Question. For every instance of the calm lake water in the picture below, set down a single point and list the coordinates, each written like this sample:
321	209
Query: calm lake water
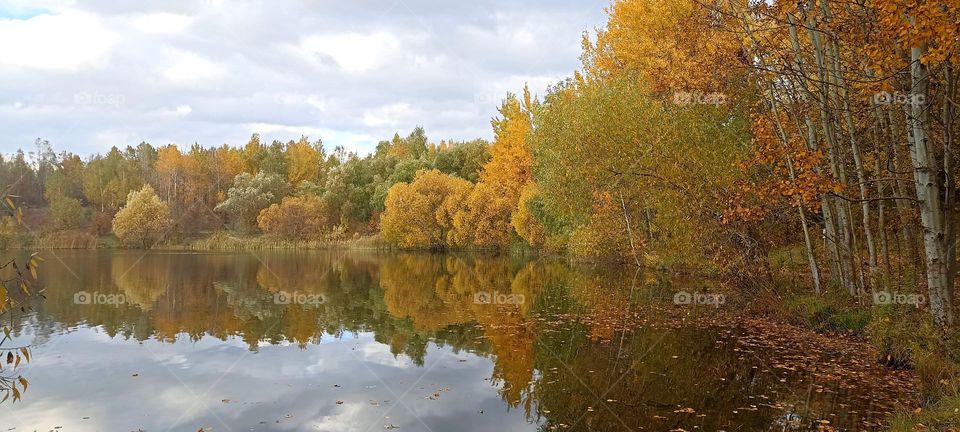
350	341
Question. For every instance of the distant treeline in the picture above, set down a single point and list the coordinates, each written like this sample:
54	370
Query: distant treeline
208	189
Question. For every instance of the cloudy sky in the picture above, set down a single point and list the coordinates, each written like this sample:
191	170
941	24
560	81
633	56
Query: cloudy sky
90	74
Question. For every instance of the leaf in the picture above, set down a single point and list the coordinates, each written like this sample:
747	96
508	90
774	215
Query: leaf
9	357
24	383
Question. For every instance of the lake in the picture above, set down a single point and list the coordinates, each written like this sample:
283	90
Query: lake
363	341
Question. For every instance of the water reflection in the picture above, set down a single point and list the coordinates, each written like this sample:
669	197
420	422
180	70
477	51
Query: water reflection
416	341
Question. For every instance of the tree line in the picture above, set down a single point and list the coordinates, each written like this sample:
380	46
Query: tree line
204	189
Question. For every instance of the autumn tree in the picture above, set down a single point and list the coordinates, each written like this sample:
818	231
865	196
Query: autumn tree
664	168
483	219
674	46
295	218
144	220
415	215
305	161
511	163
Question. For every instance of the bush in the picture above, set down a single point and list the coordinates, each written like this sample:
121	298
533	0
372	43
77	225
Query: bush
525	222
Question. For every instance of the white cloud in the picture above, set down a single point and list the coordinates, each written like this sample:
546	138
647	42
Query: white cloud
160	22
188	68
63	42
353	52
351	73
393	115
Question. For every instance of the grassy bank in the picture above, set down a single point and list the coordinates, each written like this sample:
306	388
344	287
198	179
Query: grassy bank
227	242
904	338
214	241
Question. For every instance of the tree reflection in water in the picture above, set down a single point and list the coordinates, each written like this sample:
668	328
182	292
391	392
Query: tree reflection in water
555	345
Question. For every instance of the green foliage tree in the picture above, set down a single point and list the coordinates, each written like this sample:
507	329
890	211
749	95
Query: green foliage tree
678	163
349	189
463	159
67	213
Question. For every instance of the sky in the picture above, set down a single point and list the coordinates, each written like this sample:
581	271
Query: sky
91	74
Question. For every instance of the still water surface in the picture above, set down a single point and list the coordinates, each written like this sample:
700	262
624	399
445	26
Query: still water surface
351	341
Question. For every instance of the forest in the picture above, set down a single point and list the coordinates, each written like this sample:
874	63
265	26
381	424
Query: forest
804	152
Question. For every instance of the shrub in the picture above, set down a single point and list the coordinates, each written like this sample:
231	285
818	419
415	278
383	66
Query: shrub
525	222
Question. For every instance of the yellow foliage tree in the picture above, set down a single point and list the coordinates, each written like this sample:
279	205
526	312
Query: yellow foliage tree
303	161
170	171
229	163
303	217
415	214
511	163
484	219
143	220
674	45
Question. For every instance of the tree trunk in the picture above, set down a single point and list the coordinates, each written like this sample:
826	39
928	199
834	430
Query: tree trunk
933	215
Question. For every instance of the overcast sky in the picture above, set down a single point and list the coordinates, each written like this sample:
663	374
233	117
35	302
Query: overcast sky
88	75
